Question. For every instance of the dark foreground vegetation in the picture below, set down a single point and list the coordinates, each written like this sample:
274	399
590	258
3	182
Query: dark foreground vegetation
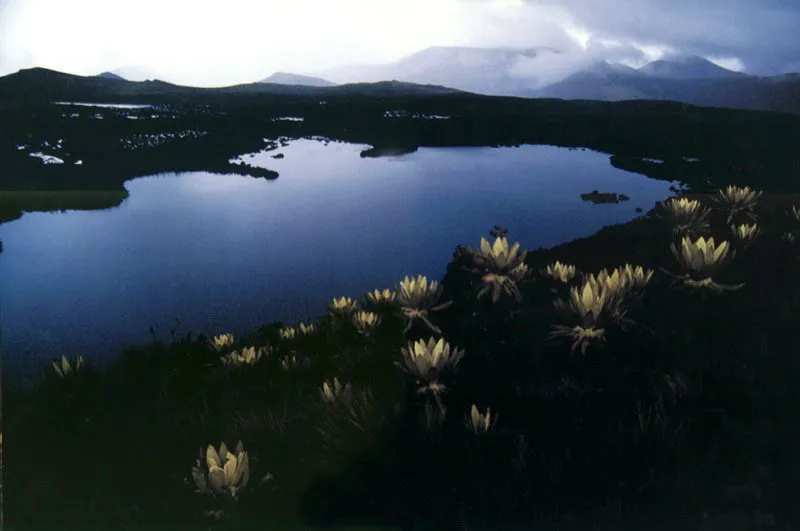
664	397
204	131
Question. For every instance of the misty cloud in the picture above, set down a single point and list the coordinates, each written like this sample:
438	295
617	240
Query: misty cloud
761	36
547	68
212	43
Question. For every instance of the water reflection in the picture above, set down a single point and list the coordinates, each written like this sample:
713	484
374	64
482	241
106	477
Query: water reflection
105	105
228	253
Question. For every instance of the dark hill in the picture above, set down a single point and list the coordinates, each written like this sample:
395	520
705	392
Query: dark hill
38	84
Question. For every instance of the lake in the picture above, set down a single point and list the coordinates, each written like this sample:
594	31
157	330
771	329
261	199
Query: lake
226	253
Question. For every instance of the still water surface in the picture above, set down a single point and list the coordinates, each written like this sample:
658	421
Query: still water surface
225	253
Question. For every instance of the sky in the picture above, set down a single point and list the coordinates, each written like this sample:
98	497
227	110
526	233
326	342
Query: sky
218	43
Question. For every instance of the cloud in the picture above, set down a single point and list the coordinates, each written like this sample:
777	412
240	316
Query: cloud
731	63
209	42
761	35
586	49
547	68
756	37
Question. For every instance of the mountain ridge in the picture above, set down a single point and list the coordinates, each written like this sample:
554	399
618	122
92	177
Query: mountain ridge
287	78
689	67
41	83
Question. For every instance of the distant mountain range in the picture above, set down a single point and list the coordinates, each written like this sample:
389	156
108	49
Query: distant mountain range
478	70
677	81
508	70
136	73
284	78
689	67
43	84
530	73
518	72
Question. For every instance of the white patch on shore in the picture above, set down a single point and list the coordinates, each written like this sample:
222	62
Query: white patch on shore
47	159
106	105
432	116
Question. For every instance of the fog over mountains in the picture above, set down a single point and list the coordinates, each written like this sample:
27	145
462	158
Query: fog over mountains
515	72
479	70
136	73
284	78
550	73
532	73
689	67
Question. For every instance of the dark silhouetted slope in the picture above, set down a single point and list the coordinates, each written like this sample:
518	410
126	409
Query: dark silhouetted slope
36	84
110	75
691	67
285	78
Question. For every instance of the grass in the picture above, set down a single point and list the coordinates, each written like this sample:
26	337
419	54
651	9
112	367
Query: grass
682	417
14	202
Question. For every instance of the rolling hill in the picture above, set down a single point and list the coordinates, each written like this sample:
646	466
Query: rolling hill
110	75
285	78
37	84
447	70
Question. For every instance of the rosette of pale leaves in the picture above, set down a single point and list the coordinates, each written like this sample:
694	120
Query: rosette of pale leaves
335	391
637	276
620	281
64	368
480	423
416	298
383	298
427	361
593	305
500	267
616	282
685	215
498	257
301	330
223	471
701	259
222	342
737	200
288	333
342	307
500	284
306	329
562	272
248	356
746	232
366	322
